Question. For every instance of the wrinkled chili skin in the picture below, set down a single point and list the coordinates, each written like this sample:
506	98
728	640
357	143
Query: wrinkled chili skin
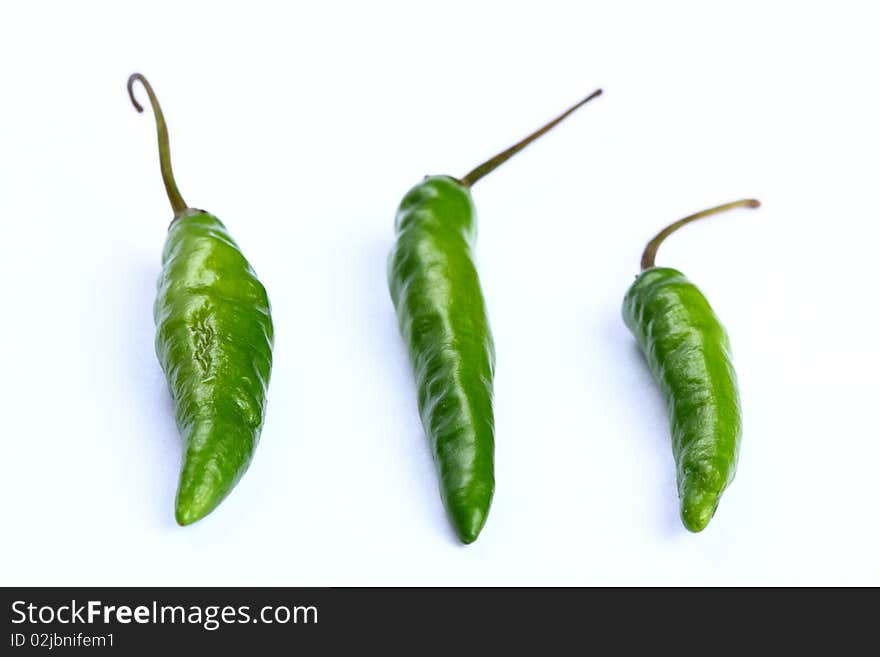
688	352
214	341
442	315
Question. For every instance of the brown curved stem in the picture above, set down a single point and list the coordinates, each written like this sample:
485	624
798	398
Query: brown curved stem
493	163
177	202
651	250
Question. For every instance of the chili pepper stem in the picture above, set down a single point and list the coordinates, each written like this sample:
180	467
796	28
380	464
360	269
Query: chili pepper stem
651	250
177	202
487	167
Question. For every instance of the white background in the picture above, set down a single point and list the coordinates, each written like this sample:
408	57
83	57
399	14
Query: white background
301	128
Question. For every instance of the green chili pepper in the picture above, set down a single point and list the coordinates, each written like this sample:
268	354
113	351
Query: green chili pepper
442	315
688	352
214	342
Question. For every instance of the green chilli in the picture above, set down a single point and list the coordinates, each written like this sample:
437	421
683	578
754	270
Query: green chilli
442	315
214	339
688	352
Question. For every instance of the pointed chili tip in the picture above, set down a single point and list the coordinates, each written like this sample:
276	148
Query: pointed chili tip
188	513
698	507
131	81
468	522
696	522
195	500
469	534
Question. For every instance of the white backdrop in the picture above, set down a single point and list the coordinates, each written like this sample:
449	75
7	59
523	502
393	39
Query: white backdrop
301	128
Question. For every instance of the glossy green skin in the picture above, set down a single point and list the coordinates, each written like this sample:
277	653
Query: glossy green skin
688	352
436	292
214	341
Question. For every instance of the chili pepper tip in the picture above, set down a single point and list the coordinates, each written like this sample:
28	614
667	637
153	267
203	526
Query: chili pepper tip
697	509
468	523
193	510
